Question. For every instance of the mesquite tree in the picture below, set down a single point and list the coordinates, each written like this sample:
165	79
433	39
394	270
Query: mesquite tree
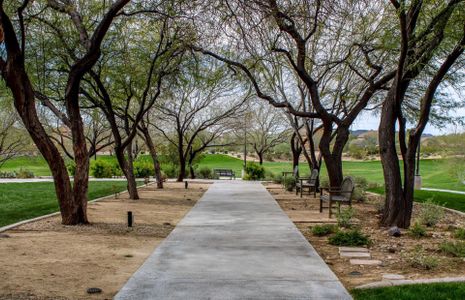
203	97
72	198
432	40
125	96
334	56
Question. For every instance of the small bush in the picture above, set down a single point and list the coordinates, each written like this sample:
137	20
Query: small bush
24	174
289	183
278	179
417	230
430	213
254	172
421	260
170	170
453	248
459	233
322	230
269	176
143	169
205	173
7	175
102	169
349	238
344	218
324	183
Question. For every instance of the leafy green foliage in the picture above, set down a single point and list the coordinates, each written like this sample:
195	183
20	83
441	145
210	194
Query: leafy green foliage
459	233
101	169
344	217
453	248
417	230
289	183
350	238
322	230
254	171
430	213
24	174
205	173
143	169
419	259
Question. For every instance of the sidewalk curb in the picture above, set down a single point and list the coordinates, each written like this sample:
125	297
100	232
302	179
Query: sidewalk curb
387	283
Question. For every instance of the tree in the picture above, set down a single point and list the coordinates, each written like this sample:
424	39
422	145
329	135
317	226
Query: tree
432	40
197	105
267	129
72	198
333	55
125	97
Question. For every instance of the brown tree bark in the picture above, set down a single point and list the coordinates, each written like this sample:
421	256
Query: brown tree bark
153	153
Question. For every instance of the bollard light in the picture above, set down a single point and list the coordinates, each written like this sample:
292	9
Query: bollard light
130	219
186	184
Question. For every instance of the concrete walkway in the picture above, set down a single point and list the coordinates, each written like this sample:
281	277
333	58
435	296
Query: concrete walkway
236	243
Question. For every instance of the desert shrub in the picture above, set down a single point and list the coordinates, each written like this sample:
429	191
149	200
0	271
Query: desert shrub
430	213
322	230
24	174
361	185
71	167
289	183
350	238
254	172
143	169
116	170
459	233
205	173
170	170
163	175
344	217
417	230
373	185
278	179
101	169
7	175
269	176
453	248
419	259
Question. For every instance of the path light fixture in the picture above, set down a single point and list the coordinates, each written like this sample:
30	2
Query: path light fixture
186	184
417	182
130	219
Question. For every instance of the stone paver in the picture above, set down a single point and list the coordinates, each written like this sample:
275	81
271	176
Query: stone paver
355	254
393	277
236	243
368	262
352	249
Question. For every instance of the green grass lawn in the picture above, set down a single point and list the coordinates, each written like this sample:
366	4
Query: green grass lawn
434	291
22	201
454	201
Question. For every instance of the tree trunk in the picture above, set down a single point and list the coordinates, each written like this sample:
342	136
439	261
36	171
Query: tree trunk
260	157
182	169
72	208
153	154
128	171
333	160
397	210
296	151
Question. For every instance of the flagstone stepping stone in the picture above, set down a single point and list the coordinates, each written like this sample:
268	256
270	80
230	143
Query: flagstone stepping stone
356	254
370	262
352	249
393	277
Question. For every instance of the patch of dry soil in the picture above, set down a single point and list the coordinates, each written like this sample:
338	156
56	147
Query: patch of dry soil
47	260
392	251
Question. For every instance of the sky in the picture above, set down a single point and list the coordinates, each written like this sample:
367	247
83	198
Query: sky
370	121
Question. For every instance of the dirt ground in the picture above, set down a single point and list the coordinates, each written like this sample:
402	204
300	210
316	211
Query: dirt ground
47	260
392	251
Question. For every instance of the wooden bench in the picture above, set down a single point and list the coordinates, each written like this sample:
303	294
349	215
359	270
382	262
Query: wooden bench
339	195
225	173
307	182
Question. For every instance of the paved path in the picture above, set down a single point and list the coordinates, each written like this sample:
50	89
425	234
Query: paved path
444	191
236	243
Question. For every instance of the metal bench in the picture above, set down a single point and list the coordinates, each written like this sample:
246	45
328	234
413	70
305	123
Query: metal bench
225	173
339	195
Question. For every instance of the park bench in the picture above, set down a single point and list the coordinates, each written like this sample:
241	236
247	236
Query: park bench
307	182
339	195
225	173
